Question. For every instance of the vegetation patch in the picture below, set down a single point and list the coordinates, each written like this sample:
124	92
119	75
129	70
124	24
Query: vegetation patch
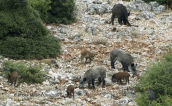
62	11
23	35
158	78
29	74
42	6
100	40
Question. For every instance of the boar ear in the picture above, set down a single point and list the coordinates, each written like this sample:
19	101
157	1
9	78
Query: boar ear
84	79
136	64
80	77
132	64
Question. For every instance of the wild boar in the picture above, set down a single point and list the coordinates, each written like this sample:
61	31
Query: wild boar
87	55
13	77
151	94
120	11
70	91
121	75
91	74
125	58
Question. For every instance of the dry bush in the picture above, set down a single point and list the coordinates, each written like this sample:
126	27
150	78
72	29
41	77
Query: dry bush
100	40
47	88
136	33
169	27
3	97
70	102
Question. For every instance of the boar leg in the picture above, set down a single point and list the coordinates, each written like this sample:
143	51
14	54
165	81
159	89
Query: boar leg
119	19
93	83
112	63
124	21
15	82
73	94
12	80
89	85
67	94
99	81
11	83
128	79
124	67
81	58
112	19
9	79
86	60
90	59
103	82
70	95
120	81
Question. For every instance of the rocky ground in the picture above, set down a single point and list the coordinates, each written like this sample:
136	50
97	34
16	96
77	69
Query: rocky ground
148	38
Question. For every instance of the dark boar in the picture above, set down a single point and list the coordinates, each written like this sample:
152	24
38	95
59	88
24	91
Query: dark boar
121	13
121	75
151	94
87	55
13	77
125	58
91	74
70	91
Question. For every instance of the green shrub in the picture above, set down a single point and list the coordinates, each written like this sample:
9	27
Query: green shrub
166	2
158	77
21	21
168	57
22	48
22	33
31	74
147	1
142	100
61	11
163	2
42	6
166	100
